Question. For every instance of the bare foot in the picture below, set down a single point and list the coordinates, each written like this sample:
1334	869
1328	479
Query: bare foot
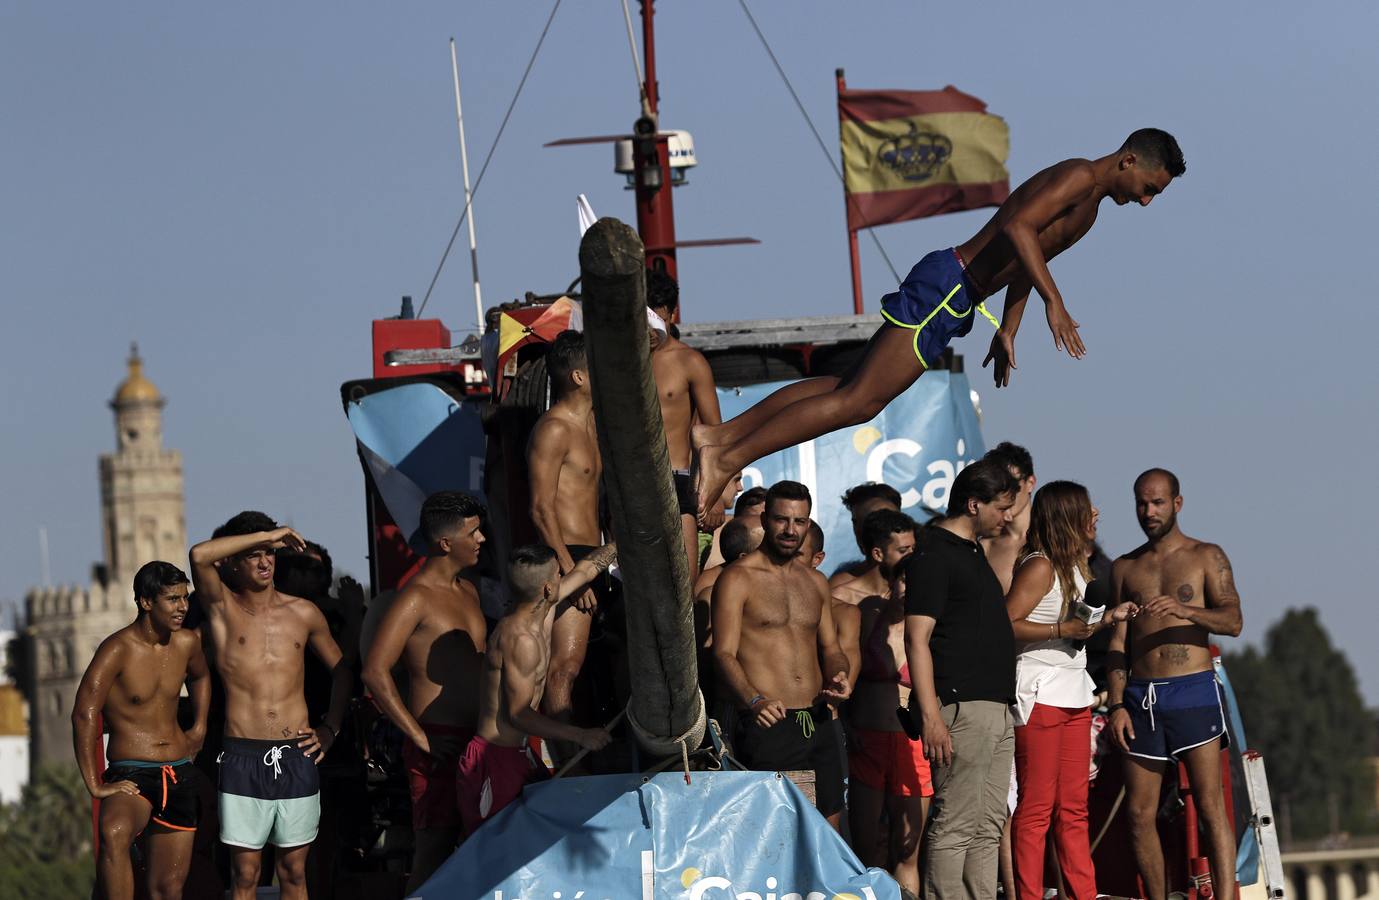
712	476
703	435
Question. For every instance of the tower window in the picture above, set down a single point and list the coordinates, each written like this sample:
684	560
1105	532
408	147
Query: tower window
131	434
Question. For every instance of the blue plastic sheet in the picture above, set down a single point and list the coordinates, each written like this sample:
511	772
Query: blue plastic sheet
738	835
416	439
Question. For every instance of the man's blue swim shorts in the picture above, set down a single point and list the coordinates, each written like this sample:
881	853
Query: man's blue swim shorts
1173	715
935	301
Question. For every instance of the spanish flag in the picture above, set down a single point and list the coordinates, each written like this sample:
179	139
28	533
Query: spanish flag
910	154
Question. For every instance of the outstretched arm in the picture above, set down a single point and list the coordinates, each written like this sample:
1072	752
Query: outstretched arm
586	570
1003	342
1073	185
210	589
86	713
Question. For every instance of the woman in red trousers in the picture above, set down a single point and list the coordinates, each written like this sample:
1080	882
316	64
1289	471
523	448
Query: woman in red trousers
1053	691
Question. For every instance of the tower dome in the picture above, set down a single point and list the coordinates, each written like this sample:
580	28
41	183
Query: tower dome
136	388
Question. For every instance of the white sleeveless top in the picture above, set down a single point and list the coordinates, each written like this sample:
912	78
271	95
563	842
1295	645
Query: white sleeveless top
1052	672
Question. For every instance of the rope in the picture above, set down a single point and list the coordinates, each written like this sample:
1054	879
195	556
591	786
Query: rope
654	741
817	138
487	159
1110	817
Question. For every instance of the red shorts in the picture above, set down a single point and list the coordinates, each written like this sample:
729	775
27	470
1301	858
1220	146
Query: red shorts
490	777
432	788
890	762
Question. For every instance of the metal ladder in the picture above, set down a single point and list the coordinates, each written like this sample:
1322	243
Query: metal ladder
1262	819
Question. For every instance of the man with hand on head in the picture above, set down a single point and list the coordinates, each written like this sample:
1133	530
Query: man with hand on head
435	627
269	786
133	684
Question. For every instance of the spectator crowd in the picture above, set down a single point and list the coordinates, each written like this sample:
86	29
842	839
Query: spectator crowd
935	690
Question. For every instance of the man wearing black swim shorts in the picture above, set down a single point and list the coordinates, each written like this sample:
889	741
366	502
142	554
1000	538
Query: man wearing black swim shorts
1164	701
772	628
133	684
564	468
685	387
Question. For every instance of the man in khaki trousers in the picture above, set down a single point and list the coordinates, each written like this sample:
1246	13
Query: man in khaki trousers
961	653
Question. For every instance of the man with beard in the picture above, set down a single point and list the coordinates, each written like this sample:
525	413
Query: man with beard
1164	702
857	580
435	626
888	770
961	652
269	786
133	683
772	625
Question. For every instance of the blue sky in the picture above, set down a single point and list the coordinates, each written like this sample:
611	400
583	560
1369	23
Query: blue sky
243	188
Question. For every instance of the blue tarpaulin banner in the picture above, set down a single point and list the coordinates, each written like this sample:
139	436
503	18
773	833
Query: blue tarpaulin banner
417	439
917	445
725	836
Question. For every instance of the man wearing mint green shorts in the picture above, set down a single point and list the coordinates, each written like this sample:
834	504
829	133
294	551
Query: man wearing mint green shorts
270	793
269	789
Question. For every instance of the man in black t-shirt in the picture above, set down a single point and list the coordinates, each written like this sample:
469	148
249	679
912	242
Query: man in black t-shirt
961	654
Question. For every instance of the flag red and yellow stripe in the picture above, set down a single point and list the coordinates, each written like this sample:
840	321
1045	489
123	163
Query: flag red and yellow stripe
910	154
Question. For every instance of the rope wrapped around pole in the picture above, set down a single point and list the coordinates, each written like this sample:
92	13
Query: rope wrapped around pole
666	705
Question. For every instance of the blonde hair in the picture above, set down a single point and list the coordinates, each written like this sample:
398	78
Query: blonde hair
1059	520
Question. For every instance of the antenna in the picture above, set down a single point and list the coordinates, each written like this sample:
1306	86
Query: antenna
468	199
43	556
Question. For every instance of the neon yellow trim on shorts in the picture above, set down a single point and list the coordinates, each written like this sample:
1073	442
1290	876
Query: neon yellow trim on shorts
981	308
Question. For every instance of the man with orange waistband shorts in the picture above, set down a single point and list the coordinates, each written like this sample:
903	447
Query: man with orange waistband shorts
497	763
133	684
939	300
436	628
887	767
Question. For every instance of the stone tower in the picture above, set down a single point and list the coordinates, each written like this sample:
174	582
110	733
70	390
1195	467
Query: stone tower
141	483
142	519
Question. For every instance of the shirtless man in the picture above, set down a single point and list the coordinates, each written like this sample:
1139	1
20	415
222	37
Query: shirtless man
434	625
773	627
565	467
1004	549
684	382
269	787
133	684
748	505
888	770
939	299
496	764
1164	702
739	536
854	582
